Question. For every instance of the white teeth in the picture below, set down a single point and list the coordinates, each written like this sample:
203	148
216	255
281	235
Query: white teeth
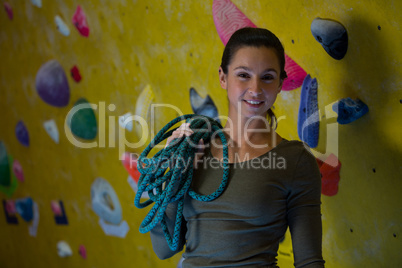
254	102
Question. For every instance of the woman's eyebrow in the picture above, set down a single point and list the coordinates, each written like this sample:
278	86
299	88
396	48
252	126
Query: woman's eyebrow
242	67
248	69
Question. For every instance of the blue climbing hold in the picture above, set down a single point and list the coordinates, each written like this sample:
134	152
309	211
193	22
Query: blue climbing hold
349	110
24	207
332	36
308	122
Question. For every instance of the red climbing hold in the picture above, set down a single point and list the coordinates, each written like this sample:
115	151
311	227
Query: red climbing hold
329	169
75	73
80	22
130	163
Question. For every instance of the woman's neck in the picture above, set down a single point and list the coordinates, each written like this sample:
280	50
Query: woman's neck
249	132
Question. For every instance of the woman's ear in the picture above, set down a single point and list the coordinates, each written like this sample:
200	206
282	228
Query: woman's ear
222	78
280	86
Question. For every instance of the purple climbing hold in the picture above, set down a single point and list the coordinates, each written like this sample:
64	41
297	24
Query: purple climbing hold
21	132
332	36
349	110
308	123
52	84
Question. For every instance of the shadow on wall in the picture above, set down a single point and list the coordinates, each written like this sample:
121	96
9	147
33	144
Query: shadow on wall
368	198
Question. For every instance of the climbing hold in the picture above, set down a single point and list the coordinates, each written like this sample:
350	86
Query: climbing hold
82	120
80	22
37	3
64	249
24	207
60	216
228	19
332	36
130	163
119	230
349	110
105	202
9	10
52	85
329	169
82	251
51	129
56	208
126	121
61	26
142	108
308	123
203	106
10	218
10	207
33	228
5	176
75	73
21	132
18	172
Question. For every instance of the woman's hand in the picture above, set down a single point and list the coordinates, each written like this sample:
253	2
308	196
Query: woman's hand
185	129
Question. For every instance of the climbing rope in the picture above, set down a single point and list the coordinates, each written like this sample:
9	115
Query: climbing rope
171	186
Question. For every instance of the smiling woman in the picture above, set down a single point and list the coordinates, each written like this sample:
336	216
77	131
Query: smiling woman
275	185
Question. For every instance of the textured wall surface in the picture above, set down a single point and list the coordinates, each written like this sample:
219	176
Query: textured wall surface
168	47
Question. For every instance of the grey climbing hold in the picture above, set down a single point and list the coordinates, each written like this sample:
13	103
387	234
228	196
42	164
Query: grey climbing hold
203	106
332	36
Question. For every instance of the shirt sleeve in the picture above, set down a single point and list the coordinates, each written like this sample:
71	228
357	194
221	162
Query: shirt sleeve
159	243
304	213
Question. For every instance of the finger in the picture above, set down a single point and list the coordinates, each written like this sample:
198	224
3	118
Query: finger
201	146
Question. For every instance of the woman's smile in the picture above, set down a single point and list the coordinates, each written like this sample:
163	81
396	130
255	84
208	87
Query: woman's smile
252	81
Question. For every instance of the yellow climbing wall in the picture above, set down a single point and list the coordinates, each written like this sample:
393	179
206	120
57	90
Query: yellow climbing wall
169	47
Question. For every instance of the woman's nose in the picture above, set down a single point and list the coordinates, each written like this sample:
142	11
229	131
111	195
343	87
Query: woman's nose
255	87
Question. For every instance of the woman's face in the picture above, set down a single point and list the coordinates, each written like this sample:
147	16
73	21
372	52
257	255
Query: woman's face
252	81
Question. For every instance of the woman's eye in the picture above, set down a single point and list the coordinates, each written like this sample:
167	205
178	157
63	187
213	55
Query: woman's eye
268	77
243	75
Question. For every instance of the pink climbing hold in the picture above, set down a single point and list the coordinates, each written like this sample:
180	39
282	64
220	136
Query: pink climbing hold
18	172
9	10
56	208
10	207
130	163
82	251
329	169
228	19
295	73
80	22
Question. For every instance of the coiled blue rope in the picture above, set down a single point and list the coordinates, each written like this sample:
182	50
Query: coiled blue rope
171	186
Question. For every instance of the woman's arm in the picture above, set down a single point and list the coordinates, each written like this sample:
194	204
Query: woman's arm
304	213
159	243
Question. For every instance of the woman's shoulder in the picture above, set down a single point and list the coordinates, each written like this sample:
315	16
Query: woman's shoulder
295	152
292	146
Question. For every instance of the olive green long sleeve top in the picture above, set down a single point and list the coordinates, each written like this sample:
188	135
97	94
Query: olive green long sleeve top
244	226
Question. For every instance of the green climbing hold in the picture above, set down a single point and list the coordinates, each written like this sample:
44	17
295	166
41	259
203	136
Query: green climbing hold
5	178
82	120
